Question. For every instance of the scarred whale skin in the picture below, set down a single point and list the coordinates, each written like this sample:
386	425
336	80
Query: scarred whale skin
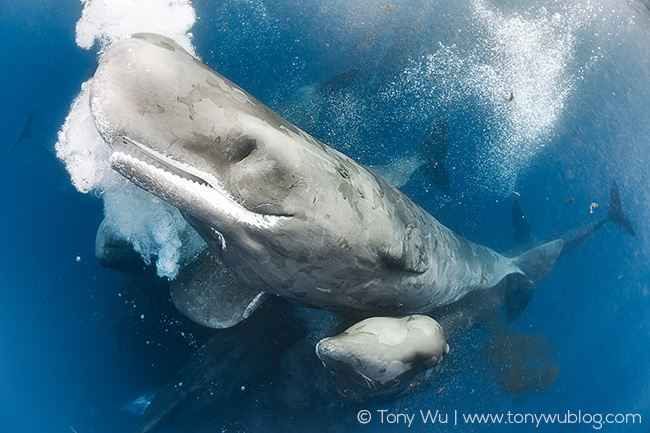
284	212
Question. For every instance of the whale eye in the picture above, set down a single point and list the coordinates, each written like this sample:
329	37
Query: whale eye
245	147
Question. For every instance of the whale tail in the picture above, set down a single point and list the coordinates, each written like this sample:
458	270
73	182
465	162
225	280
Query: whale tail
616	214
535	264
432	152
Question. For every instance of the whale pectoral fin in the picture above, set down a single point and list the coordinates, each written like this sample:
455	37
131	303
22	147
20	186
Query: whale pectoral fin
519	291
534	264
537	262
206	292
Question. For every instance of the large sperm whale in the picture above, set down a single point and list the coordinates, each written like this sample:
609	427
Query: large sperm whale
284	212
288	215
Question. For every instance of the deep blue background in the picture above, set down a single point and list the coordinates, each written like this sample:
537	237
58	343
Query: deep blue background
71	337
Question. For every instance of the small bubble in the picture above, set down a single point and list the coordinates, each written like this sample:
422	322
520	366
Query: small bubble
243	388
78	258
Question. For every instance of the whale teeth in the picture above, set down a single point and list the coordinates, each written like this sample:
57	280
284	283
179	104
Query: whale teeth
146	164
186	193
155	159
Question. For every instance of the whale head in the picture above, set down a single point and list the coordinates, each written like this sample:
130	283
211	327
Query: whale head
237	171
180	129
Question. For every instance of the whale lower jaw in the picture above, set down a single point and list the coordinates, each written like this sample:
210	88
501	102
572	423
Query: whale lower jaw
190	190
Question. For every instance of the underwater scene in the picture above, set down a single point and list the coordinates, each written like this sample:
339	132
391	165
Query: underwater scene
325	216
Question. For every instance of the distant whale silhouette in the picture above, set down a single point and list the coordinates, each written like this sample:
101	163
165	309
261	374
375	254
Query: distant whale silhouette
28	134
428	159
478	308
232	358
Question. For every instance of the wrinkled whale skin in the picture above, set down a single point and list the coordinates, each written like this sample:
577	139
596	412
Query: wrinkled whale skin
284	212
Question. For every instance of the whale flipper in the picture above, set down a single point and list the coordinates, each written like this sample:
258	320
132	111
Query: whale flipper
433	151
211	296
519	291
535	264
616	213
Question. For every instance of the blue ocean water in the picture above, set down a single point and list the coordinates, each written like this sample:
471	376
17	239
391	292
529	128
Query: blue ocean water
80	342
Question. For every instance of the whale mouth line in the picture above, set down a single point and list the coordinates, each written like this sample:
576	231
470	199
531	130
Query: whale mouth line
185	177
158	160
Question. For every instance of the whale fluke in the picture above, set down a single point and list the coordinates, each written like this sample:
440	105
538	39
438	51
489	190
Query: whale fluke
574	238
428	159
512	293
230	359
519	291
616	214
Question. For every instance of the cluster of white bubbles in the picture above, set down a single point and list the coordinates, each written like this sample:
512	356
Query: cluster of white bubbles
108	21
518	74
156	230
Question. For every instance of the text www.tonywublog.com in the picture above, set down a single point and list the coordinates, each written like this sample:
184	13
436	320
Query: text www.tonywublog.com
597	421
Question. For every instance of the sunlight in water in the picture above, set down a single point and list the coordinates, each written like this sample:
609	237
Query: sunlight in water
510	89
